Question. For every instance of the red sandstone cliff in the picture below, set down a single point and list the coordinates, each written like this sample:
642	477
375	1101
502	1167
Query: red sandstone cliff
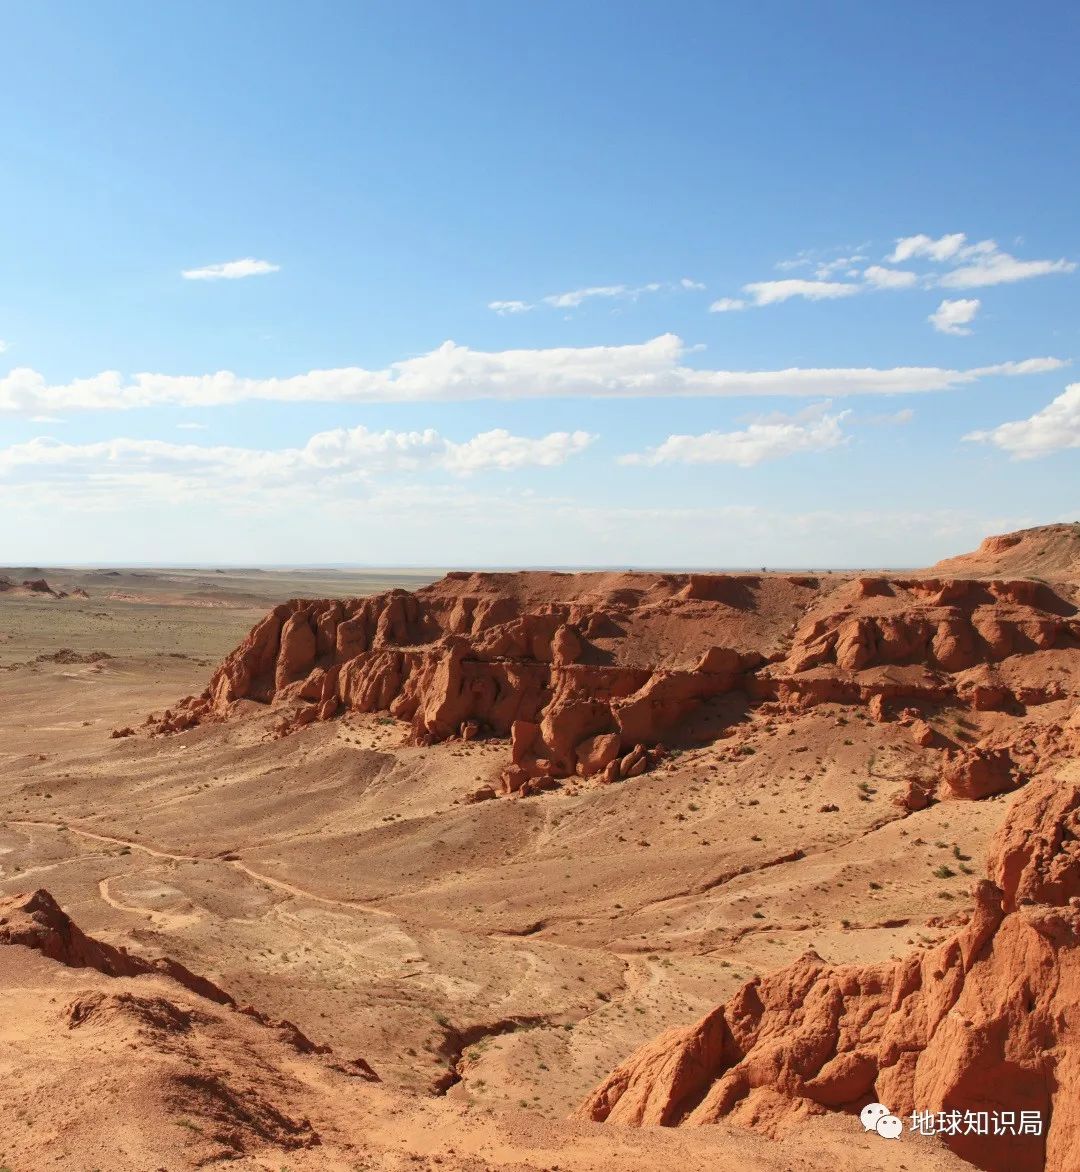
987	1021
587	673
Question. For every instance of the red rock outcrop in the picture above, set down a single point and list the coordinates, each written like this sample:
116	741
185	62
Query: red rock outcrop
29	586
985	1022
979	772
947	624
39	586
1047	551
586	673
37	921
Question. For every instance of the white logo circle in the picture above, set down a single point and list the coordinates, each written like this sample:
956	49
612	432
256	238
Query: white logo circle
871	1113
889	1127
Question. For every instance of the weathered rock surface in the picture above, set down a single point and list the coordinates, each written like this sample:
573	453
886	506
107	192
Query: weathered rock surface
927	639
1047	551
37	921
587	673
987	1021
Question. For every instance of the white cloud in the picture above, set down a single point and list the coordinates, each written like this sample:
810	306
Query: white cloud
453	373
499	449
3	346
1054	428
231	270
972	266
773	292
883	278
953	317
192	427
456	373
841	264
999	268
574	298
766	439
400	521
910	247
820	289
331	461
975	265
46	419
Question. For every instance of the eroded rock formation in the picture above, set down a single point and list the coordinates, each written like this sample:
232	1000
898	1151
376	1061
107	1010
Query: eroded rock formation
987	1021
587	674
929	639
37	921
584	673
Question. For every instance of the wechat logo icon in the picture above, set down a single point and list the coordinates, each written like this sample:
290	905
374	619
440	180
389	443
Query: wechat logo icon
877	1117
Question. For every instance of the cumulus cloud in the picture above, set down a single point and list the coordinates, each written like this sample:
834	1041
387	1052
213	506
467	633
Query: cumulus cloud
970	266
976	265
573	298
910	247
883	278
814	430
231	270
773	292
330	460
820	288
453	373
1054	428
999	268
954	317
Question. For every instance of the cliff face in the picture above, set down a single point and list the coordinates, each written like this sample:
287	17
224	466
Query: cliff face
588	673
987	1021
585	673
1046	551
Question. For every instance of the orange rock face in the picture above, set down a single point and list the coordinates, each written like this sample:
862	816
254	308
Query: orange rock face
586	673
932	626
987	1021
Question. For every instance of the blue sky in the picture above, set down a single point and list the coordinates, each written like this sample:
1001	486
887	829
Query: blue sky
725	285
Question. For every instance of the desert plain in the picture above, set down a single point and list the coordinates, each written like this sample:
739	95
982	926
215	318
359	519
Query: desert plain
539	870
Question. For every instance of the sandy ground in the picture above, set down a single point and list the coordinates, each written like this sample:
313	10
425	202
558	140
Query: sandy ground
492	962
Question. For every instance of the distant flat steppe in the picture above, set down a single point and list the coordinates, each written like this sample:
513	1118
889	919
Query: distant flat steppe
202	613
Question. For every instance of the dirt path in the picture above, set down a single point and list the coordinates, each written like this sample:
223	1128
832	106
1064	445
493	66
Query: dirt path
278	884
301	893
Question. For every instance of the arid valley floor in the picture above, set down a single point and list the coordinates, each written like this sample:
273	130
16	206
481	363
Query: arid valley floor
434	832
